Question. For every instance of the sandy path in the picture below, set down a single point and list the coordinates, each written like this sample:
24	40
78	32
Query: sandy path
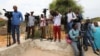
38	52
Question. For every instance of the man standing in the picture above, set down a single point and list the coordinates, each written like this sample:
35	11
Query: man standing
57	26
79	18
71	16
50	28
31	21
16	21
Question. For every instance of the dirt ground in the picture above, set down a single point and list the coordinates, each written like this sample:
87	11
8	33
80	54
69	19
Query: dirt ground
2	41
38	52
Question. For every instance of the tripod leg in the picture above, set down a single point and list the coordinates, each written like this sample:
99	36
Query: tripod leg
9	40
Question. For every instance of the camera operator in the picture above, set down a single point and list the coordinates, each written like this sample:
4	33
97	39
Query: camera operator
15	22
31	25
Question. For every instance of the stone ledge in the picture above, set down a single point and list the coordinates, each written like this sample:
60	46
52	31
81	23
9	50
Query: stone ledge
55	47
15	50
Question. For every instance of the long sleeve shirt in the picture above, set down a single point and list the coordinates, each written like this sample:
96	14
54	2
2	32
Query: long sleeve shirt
71	16
17	18
74	34
57	20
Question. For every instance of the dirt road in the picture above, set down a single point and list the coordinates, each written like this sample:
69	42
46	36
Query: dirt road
38	52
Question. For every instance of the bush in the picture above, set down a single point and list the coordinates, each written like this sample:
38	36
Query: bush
2	23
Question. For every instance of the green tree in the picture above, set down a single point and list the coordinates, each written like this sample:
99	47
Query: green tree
63	5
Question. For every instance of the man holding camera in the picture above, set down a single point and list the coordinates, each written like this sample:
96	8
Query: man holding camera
15	22
31	23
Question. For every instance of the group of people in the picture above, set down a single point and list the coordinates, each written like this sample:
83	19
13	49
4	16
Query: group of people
82	34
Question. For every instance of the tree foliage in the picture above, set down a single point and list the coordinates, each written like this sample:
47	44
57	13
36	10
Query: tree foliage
63	5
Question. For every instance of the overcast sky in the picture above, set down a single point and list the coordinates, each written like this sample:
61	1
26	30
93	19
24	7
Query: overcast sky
91	7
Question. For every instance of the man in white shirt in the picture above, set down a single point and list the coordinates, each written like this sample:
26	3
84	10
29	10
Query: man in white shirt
70	17
57	26
31	23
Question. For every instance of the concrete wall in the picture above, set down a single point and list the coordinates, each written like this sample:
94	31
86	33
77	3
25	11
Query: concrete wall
56	47
15	50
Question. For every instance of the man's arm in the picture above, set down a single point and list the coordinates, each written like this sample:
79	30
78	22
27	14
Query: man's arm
71	34
74	15
21	17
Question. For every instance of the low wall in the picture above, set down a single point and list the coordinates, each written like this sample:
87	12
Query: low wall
16	50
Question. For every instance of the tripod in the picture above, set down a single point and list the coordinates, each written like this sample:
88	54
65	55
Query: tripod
8	14
8	33
8	40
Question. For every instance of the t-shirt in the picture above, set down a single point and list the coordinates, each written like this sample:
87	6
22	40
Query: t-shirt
31	21
42	22
57	20
74	34
70	16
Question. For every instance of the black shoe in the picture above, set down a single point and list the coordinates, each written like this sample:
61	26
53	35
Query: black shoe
51	39
97	50
85	48
96	53
18	42
9	44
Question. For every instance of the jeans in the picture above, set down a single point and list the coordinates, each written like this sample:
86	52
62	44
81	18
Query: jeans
85	42
69	26
30	30
75	48
15	30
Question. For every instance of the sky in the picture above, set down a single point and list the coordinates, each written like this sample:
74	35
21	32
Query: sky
91	7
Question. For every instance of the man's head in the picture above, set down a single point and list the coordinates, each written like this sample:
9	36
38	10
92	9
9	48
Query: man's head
15	8
69	9
42	15
74	26
96	24
88	21
32	12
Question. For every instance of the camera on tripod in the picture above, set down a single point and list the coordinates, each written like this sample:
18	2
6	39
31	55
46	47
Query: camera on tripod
8	14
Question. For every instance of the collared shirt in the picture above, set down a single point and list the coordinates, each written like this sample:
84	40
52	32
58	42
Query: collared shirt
70	16
31	21
57	20
74	34
42	22
17	18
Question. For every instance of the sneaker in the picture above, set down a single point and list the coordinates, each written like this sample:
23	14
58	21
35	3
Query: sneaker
96	53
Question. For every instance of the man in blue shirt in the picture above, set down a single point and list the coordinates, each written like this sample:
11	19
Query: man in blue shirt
16	21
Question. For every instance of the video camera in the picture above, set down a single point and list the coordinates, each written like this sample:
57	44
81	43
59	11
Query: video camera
8	14
26	17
